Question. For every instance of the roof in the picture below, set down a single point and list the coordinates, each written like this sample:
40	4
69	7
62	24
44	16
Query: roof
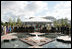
37	19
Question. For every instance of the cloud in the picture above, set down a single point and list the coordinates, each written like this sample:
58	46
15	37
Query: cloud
24	9
61	10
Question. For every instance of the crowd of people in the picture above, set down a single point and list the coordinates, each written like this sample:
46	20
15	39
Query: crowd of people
63	29
9	29
24	29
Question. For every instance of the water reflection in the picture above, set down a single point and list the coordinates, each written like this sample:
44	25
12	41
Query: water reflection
18	44
56	44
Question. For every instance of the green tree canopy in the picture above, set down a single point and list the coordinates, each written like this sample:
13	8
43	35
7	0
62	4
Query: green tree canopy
55	23
2	23
14	22
61	22
10	21
19	21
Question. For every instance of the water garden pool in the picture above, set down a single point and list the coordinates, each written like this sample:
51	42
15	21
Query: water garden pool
19	44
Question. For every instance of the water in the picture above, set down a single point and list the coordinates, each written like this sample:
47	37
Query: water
14	44
56	44
20	44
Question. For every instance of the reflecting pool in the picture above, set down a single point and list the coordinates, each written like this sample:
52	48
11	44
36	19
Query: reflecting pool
19	44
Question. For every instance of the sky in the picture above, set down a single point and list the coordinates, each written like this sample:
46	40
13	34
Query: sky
27	9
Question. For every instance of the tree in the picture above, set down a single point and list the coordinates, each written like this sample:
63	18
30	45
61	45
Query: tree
10	21
62	22
14	22
1	23
18	21
55	23
66	21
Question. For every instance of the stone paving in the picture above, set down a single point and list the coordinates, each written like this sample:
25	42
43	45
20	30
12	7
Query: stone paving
32	43
8	36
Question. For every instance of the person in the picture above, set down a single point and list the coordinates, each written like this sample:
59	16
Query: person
32	29
5	30
13	27
9	28
2	29
67	29
52	28
62	29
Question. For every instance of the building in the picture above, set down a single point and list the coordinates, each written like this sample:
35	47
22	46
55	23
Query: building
37	21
